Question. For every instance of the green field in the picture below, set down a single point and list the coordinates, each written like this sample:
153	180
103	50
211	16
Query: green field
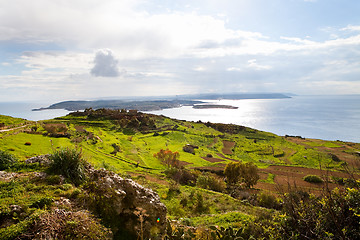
126	144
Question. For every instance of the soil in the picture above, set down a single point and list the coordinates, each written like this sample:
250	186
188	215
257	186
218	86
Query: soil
288	176
222	156
211	159
228	146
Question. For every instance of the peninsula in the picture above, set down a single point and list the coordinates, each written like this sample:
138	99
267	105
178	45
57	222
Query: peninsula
159	103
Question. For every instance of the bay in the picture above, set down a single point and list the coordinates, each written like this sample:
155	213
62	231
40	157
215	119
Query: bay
322	117
24	110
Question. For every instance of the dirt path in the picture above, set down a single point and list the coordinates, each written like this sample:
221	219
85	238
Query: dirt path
222	156
10	129
212	159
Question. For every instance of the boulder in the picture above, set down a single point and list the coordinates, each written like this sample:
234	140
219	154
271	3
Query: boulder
131	210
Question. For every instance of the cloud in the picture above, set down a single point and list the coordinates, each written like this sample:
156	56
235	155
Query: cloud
105	64
181	51
351	28
254	65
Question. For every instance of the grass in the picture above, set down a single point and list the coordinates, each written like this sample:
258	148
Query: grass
229	219
135	157
69	163
270	178
11	121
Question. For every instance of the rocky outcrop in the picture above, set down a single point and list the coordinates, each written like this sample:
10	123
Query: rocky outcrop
131	210
41	159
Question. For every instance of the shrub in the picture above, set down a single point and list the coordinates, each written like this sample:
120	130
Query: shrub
54	179
168	157
231	172
241	172
200	205
334	215
7	160
42	203
181	175
69	163
268	201
173	188
313	179
210	181
60	224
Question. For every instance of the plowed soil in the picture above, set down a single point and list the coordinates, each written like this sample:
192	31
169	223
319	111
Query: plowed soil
228	145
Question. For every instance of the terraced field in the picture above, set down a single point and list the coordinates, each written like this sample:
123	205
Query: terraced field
126	142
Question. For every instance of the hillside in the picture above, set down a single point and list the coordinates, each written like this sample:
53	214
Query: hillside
192	185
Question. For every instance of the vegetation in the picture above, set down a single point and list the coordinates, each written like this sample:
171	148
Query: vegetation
237	183
69	163
7	160
246	173
333	215
313	179
167	157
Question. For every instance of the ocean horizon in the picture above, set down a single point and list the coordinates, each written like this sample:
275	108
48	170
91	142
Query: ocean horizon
334	117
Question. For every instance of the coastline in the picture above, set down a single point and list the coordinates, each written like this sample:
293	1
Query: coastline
317	117
214	106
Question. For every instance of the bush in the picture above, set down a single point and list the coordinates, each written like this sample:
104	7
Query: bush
168	157
210	181
313	179
241	172
334	215
69	163
60	224
200	205
268	201
42	203
7	160
181	175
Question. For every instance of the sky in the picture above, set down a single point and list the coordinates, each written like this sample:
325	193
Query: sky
87	49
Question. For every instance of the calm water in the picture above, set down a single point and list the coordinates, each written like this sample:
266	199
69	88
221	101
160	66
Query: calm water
23	110
323	117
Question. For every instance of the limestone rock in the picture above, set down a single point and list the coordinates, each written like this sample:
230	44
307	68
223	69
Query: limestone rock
41	159
135	210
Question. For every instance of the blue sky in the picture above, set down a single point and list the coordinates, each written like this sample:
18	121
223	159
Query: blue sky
85	49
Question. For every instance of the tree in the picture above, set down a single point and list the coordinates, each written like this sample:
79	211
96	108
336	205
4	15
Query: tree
232	171
241	172
168	157
249	174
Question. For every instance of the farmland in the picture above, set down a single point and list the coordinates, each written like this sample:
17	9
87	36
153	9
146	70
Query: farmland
126	142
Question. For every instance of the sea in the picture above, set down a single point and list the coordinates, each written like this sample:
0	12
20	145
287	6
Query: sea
335	117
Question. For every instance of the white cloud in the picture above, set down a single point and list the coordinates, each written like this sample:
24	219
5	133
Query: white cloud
61	62
230	69
199	68
351	28
173	50
254	65
105	64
